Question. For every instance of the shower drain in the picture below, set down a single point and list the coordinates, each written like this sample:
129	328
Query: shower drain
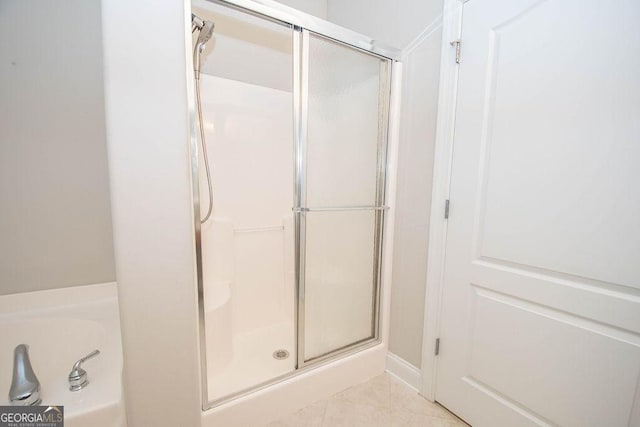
280	354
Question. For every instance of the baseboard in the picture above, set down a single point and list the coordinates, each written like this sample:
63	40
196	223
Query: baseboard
404	371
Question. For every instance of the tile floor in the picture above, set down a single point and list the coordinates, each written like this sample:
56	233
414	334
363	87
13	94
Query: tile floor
383	401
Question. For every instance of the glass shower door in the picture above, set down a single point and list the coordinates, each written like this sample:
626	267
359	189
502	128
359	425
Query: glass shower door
247	260
341	196
283	288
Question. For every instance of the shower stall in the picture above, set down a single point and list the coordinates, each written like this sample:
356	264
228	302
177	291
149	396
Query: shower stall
295	117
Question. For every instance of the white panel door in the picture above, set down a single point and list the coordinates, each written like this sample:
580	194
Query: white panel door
541	306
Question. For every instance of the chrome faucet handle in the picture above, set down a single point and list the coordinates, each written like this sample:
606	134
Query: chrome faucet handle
78	376
25	387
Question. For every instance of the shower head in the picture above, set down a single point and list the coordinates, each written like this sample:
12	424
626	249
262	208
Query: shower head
205	34
206	31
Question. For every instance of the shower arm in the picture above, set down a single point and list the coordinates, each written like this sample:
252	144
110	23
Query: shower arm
196	23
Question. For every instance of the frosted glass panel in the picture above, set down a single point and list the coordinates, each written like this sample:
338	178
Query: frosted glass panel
344	111
339	280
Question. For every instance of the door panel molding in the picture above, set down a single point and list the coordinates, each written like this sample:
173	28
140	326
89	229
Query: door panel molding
536	419
537	332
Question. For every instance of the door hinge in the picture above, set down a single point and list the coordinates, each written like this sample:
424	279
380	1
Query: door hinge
456	44
437	346
446	209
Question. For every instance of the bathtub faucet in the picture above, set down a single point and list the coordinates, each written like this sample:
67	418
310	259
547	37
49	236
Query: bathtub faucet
25	387
78	376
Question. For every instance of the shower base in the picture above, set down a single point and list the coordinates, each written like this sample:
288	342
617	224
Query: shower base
252	361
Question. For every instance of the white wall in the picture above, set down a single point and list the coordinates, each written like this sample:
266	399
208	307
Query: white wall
413	25
394	22
313	7
147	91
420	103
55	215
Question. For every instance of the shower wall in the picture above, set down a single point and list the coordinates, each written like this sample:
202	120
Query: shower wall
248	252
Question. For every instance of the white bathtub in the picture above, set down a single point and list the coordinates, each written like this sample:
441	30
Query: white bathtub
60	326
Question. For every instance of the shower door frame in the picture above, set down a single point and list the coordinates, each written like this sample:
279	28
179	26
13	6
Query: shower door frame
300	210
302	25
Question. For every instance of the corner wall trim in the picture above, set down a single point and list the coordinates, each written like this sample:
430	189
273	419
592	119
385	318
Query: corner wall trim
404	371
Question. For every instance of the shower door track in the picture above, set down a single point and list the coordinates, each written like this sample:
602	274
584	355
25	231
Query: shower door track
302	25
282	14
